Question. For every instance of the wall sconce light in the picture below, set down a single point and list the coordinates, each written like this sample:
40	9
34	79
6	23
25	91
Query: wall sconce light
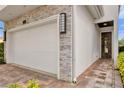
62	23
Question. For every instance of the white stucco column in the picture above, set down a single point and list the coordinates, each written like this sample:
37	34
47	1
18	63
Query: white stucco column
115	41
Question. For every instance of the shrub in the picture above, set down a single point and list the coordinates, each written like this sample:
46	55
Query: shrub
2	53
120	65
30	84
15	85
33	84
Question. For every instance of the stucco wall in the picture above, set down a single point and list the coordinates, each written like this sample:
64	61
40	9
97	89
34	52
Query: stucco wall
65	39
86	40
115	41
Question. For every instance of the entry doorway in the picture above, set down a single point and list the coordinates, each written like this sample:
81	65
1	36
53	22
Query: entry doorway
106	45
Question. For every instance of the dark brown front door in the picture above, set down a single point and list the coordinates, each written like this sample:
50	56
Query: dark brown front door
106	43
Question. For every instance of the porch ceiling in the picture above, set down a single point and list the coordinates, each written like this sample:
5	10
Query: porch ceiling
12	11
96	11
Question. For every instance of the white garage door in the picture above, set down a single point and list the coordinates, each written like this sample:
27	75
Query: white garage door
36	47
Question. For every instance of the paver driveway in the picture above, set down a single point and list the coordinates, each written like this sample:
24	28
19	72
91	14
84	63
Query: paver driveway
100	74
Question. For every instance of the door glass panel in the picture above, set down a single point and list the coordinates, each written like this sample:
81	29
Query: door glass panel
105	45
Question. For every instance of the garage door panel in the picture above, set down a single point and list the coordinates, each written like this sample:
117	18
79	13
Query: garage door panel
37	47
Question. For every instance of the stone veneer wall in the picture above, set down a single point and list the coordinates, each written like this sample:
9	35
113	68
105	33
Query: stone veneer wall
65	39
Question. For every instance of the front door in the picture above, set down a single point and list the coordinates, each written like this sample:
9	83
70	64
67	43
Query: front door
106	42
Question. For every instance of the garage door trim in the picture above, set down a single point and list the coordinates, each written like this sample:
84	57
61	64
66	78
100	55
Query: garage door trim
33	24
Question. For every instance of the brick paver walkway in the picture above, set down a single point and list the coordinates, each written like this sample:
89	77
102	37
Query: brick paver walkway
99	75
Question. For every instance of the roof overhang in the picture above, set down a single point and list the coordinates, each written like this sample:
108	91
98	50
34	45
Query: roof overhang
111	13
2	7
10	12
96	11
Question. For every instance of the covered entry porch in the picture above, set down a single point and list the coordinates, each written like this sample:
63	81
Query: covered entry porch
96	37
106	33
